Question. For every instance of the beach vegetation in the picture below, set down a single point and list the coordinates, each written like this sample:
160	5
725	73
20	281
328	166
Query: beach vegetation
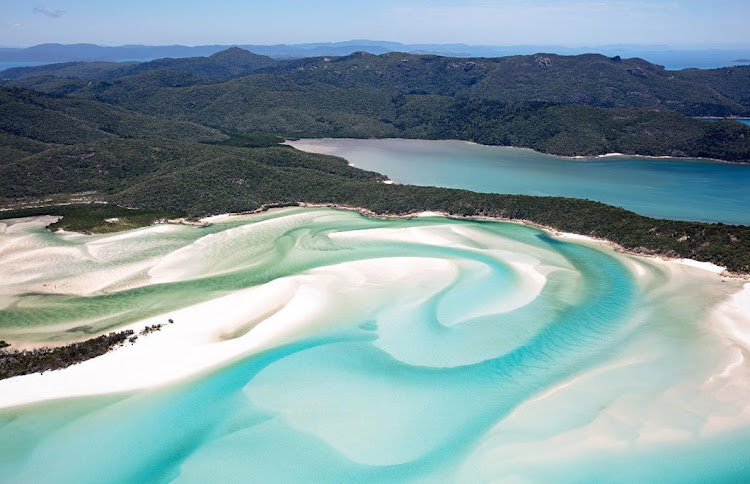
23	362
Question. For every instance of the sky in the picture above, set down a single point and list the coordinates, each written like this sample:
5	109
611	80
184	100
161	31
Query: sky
677	23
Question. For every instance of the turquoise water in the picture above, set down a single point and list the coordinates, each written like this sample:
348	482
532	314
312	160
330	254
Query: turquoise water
739	120
446	351
661	188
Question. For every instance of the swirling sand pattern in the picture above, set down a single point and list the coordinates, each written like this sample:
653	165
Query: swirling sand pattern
431	350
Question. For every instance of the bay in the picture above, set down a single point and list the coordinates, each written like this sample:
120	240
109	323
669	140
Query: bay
671	188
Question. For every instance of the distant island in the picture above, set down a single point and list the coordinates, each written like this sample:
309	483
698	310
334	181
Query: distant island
673	58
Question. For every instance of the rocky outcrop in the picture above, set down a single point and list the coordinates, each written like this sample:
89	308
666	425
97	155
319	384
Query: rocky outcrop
541	61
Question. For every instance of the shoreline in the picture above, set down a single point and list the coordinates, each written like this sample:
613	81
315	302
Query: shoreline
551	230
290	308
589	157
732	118
208	220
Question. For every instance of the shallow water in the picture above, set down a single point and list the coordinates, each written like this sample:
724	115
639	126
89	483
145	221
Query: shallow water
663	188
444	351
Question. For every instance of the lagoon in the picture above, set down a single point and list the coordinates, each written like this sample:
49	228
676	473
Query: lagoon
671	188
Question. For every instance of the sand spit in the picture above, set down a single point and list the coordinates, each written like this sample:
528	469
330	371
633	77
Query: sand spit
211	334
184	221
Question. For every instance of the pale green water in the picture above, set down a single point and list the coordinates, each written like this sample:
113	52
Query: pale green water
437	377
673	188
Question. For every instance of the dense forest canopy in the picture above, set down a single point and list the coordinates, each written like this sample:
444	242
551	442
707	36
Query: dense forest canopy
566	105
590	79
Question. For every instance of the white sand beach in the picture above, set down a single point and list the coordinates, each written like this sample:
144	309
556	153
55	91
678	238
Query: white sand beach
216	332
210	334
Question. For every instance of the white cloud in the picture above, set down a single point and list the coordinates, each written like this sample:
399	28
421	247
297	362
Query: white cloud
43	10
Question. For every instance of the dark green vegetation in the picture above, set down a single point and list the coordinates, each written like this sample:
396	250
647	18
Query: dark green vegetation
32	123
241	139
93	218
567	105
69	121
589	79
154	152
15	363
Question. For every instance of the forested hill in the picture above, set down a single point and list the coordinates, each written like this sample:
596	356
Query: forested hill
230	63
31	123
572	106
590	79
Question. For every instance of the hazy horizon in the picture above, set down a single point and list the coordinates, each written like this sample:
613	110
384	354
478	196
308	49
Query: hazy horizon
726	46
566	23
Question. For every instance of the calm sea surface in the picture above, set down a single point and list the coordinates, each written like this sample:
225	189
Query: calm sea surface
9	65
662	188
739	120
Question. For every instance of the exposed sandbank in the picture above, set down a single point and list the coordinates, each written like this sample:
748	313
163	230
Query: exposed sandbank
210	334
288	309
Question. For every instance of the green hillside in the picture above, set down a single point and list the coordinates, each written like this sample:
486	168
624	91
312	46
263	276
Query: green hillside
31	122
590	79
565	105
263	104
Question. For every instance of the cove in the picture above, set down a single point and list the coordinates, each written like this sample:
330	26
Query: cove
670	188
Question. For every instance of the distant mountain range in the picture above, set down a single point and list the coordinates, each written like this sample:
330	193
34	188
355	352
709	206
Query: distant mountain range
669	57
